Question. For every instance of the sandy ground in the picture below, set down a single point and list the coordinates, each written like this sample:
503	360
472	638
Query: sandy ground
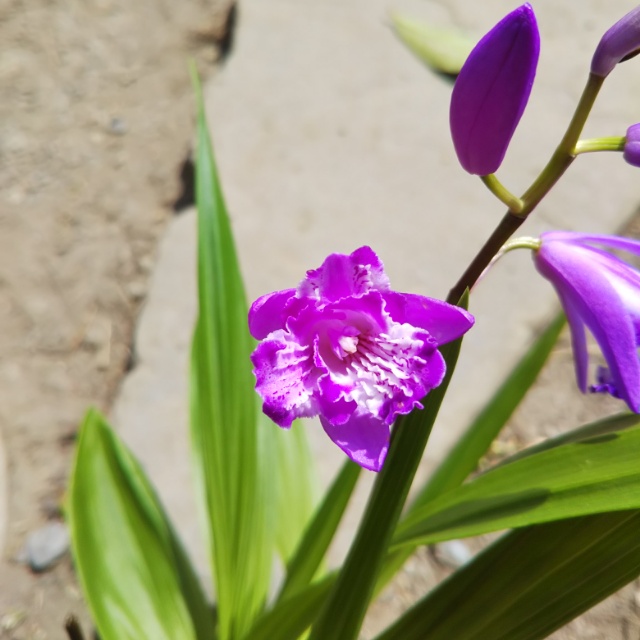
95	122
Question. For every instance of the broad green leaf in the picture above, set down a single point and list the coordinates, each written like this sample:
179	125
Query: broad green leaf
296	490
135	574
342	616
530	582
589	476
444	50
463	458
234	458
319	534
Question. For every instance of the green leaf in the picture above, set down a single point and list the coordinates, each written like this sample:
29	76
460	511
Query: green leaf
289	618
296	490
342	616
602	427
320	532
233	458
530	582
444	50
135	574
589	476
464	457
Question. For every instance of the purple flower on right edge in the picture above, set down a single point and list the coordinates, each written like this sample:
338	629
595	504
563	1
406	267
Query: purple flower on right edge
599	292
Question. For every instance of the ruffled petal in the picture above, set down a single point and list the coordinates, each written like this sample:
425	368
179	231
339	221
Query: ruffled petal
269	313
341	276
363	438
444	322
286	379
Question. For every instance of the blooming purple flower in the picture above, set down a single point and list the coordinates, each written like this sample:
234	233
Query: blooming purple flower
346	347
620	41
601	292
492	91
632	145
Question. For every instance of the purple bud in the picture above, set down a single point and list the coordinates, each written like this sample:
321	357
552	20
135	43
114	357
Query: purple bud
616	44
632	145
492	91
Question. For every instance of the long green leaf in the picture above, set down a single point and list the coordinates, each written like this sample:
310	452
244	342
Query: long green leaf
320	532
342	616
289	618
444	50
464	457
590	476
232	456
530	582
296	490
135	574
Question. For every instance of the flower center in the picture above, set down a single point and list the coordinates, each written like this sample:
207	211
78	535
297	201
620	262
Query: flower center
348	345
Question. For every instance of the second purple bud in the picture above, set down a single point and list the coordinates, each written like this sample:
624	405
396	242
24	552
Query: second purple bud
492	91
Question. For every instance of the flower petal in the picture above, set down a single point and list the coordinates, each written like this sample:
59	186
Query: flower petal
286	377
613	242
444	322
341	276
578	339
269	313
570	267
363	438
622	39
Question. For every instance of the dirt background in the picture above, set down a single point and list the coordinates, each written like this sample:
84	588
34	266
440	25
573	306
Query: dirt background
96	116
95	124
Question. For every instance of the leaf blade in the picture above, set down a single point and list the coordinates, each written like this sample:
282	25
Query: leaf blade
529	582
589	476
133	569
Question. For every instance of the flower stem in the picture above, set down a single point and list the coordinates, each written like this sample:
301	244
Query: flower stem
502	193
560	161
614	143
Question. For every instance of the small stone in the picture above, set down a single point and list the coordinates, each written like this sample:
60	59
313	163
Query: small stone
453	553
45	546
117	127
137	290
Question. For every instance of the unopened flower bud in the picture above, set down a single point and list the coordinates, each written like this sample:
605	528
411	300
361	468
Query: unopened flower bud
632	145
492	91
622	40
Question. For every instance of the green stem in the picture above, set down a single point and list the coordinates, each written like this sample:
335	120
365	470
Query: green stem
613	143
502	193
560	161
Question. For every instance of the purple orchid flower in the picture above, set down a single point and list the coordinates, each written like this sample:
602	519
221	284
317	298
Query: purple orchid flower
620	41
601	292
346	347
632	145
492	91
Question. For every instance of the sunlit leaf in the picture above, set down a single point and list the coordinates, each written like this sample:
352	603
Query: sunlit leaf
135	575
296	490
319	534
234	458
444	50
594	475
530	582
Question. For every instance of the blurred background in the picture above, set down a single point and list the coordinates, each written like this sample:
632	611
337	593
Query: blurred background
329	134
